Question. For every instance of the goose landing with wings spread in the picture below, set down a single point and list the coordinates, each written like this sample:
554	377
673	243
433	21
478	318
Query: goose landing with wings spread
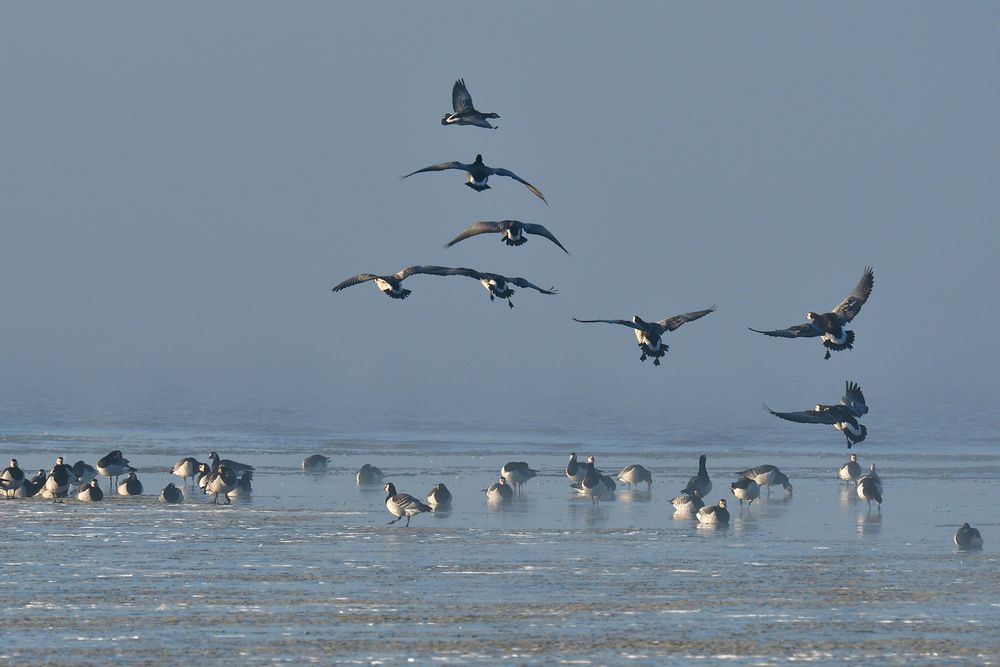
392	285
649	334
830	326
497	285
843	417
479	173
465	112
511	232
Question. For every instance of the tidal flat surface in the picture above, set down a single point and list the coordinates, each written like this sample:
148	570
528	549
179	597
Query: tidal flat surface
307	570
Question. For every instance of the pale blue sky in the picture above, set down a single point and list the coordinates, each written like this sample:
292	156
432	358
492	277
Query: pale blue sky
182	183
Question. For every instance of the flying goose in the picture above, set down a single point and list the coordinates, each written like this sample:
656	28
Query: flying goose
499	491
497	285
850	471
186	467
392	285
232	465
11	478
687	503
439	497
634	474
368	474
714	514
767	475
700	484
747	489
315	463
171	494
517	473
830	326
649	333
465	112
131	486
222	480
402	504
479	173
511	232
843	416
968	537
114	465
90	493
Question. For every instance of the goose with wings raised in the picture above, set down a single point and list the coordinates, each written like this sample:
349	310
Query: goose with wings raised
479	173
649	334
843	416
830	326
497	285
511	232
392	285
464	112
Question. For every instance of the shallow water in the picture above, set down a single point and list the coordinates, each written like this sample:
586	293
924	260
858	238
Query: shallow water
307	569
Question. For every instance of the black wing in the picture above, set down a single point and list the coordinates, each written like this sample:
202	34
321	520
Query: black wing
851	306
534	190
461	100
539	230
806	416
854	399
427	270
355	280
521	282
798	331
441	166
674	323
627	323
474	229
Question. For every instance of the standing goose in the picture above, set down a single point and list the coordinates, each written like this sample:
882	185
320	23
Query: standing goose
464	112
223	480
635	474
499	286
747	489
91	492
714	514
479	173
687	503
84	472
369	474
402	504
511	232
439	497
31	486
700	484
499	491
60	463
235	466
186	467
131	486
315	463
843	416
204	472
968	537
244	486
11	479
649	334
594	484
57	483
114	465
850	471
575	470
392	285
870	488
767	475
830	326
171	494
517	473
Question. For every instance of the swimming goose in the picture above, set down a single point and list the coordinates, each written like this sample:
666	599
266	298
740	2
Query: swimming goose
32	486
90	492
594	484
186	467
392	285
369	474
747	489
767	475
700	484
131	486
439	497
511	232
11	479
232	465
84	472
830	326
479	174
223	480
464	112
114	465
499	491
649	334
843	417
171	494
850	471
402	504
634	474
315	462
687	503
576	471
499	286
968	537
517	473
713	514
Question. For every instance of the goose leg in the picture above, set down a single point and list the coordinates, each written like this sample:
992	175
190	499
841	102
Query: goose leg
509	302
827	355
656	362
407	520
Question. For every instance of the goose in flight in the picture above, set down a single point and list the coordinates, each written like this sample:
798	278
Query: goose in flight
497	285
479	173
649	334
830	326
511	232
392	285
843	416
465	112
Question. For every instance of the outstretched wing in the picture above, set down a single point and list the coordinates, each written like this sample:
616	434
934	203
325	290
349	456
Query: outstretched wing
521	282
474	229
805	417
539	230
427	270
674	323
441	166
355	280
851	306
461	100
534	190
854	399
798	331
626	323
463	271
